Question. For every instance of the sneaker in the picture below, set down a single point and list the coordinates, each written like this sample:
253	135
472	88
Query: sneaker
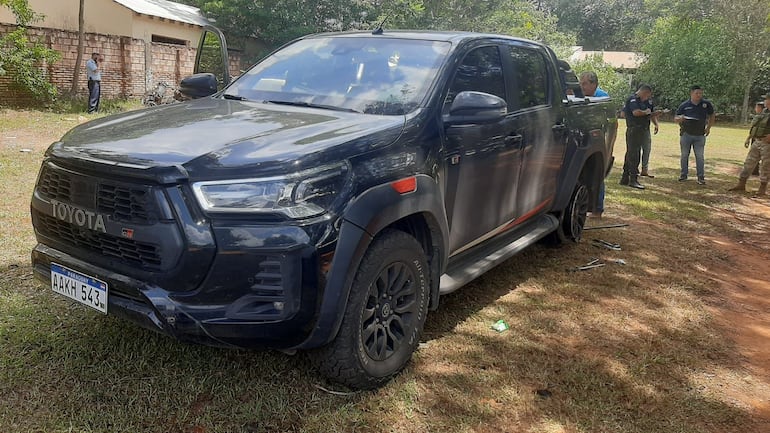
701	181
682	178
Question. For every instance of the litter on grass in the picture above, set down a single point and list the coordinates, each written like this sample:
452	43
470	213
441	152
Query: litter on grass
500	326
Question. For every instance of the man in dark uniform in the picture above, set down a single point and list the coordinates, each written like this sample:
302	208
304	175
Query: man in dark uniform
639	111
695	117
759	142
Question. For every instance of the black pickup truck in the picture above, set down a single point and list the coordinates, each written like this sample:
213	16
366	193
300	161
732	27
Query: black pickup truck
326	198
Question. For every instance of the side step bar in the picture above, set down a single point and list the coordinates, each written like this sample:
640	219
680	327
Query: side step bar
472	264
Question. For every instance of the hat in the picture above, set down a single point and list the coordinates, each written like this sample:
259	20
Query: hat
760	103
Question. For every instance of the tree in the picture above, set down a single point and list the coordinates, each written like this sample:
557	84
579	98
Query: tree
601	24
683	52
278	22
746	25
21	58
81	43
275	22
720	44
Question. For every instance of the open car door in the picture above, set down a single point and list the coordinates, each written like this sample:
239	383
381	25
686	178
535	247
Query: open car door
212	72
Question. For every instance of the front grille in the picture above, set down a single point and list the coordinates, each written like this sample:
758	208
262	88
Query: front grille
55	185
123	204
142	254
128	203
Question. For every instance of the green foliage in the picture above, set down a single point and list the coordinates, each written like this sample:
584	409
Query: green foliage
20	8
275	23
510	17
614	83
601	24
682	52
521	18
21	58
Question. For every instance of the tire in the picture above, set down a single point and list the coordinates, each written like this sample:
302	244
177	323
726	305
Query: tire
573	218
376	338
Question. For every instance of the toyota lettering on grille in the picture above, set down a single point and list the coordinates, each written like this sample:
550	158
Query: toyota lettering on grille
77	216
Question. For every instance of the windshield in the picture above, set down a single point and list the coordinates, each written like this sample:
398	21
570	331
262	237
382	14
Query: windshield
376	75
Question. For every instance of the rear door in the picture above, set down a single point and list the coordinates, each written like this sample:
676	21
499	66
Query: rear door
482	160
542	127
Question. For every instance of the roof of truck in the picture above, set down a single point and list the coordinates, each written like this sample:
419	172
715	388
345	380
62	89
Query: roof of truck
449	36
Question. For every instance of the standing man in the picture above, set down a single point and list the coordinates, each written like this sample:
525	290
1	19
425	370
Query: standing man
94	72
695	118
639	111
759	140
589	84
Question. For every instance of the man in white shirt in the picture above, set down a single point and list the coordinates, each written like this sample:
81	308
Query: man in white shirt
94	72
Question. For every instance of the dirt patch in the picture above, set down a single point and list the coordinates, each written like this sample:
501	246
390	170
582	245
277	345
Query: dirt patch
744	314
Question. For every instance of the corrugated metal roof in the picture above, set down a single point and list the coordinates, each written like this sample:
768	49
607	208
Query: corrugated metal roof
166	9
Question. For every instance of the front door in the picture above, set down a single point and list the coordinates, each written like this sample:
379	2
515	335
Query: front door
482	160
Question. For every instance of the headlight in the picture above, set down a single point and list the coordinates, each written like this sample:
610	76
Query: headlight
299	195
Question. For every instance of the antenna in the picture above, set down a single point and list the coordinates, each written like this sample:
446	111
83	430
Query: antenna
379	30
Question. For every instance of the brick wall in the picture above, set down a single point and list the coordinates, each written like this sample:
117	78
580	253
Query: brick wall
124	71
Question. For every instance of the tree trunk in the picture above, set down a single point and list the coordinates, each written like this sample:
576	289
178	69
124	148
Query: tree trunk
81	42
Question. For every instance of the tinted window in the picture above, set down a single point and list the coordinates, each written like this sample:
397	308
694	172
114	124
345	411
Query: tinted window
531	77
482	71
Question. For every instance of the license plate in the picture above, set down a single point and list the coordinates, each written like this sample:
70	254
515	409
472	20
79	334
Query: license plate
82	288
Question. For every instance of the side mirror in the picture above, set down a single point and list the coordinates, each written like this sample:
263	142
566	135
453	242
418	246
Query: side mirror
198	85
476	107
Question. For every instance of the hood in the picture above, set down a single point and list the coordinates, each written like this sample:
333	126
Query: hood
226	135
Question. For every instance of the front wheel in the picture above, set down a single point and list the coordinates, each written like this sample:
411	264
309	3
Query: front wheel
385	314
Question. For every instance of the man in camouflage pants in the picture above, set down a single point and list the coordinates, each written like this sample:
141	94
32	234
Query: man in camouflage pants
759	140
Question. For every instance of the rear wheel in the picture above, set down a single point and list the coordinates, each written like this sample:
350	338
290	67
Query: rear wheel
573	218
386	311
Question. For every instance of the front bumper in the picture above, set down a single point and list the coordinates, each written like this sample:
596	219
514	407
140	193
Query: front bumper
250	298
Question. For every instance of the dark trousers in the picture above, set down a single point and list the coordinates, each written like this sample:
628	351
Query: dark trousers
635	139
94	93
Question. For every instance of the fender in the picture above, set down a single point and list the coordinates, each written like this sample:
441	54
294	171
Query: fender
581	147
365	216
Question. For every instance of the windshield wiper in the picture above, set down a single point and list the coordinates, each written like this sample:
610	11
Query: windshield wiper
311	105
234	97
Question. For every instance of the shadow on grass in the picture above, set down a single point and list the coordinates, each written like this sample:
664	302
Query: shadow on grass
617	349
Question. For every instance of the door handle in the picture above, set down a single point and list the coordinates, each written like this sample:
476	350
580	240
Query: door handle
512	140
559	127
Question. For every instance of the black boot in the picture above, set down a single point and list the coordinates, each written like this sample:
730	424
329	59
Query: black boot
634	182
624	179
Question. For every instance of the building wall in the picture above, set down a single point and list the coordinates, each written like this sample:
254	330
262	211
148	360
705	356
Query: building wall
100	16
105	17
126	72
144	27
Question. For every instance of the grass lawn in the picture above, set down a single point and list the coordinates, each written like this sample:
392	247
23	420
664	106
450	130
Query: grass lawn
634	347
